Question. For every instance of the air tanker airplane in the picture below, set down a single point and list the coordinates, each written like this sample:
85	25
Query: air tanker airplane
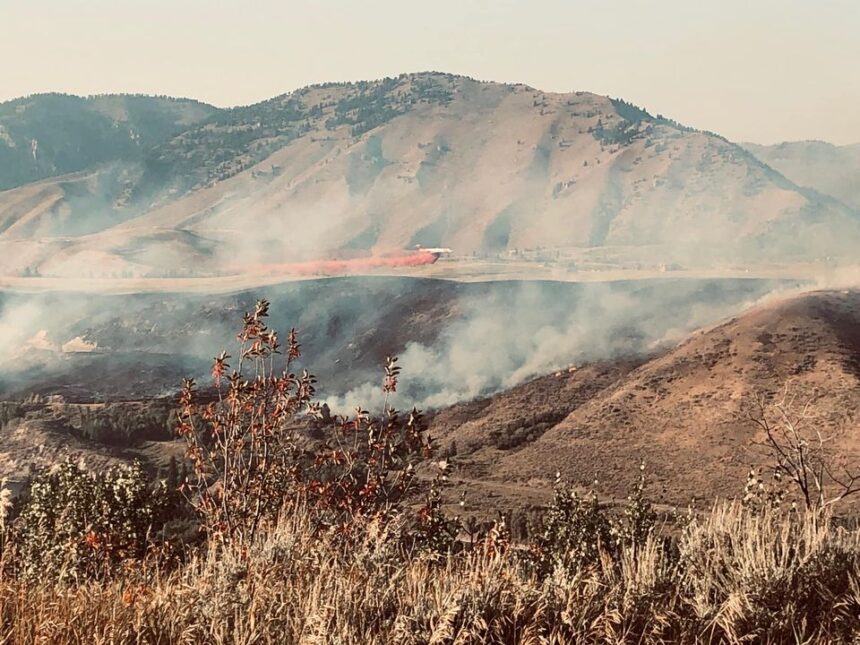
435	250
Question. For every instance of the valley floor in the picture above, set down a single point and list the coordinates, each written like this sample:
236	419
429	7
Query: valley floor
458	271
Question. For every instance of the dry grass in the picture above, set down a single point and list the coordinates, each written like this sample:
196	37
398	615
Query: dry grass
731	576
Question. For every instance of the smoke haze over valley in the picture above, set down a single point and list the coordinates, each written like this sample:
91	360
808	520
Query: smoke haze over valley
455	340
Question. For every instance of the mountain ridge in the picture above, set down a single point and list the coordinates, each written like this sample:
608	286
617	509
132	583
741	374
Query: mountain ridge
831	169
433	159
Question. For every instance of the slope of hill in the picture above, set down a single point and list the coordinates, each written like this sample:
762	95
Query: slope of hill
70	163
833	170
684	412
486	168
435	159
70	205
47	135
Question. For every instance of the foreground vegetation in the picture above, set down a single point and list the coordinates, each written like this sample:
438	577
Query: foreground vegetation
278	532
732	576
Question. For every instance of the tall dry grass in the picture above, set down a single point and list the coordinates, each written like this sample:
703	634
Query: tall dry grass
731	576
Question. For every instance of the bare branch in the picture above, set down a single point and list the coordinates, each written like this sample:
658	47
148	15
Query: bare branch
801	451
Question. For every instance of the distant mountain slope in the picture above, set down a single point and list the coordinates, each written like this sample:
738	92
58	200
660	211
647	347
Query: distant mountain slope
484	167
237	138
684	412
69	205
834	170
437	160
47	135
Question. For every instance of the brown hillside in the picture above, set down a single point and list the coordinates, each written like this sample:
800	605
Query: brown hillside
684	413
437	160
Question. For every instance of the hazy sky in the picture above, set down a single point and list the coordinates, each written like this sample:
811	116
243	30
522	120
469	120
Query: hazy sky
753	70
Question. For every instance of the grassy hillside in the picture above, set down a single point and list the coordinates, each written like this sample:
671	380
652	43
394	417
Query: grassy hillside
487	169
47	135
685	412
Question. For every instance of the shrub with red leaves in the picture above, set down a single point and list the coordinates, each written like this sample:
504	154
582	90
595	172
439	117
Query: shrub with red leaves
251	452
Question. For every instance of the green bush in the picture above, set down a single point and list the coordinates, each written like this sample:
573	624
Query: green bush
77	523
576	531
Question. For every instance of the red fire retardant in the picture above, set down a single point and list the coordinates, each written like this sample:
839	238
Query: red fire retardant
353	265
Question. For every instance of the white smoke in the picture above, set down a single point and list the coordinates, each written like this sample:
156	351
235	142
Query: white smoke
502	342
